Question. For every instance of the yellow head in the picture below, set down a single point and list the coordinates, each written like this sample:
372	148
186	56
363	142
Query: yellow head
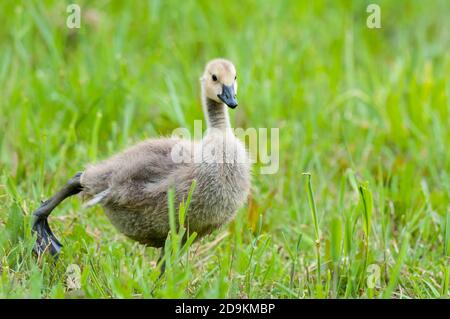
219	82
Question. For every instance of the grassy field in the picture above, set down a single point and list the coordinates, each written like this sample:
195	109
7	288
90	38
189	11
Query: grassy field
365	111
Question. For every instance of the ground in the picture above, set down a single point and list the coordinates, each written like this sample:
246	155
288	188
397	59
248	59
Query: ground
366	112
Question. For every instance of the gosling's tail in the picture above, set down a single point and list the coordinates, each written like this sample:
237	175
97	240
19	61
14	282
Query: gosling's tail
97	198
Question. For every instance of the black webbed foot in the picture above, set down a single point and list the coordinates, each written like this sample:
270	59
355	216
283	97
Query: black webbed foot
46	240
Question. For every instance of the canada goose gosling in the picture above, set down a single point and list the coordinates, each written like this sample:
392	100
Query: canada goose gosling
132	186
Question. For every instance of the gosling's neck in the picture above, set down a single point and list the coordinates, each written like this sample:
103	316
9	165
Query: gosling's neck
216	115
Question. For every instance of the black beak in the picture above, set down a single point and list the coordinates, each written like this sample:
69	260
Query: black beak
228	96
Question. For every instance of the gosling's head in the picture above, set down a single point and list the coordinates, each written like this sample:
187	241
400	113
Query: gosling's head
219	82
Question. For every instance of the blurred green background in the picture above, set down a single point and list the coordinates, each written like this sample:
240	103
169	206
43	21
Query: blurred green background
365	111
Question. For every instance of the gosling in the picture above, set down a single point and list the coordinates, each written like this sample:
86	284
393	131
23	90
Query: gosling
132	186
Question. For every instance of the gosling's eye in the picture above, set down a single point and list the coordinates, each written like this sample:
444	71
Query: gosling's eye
214	77
235	77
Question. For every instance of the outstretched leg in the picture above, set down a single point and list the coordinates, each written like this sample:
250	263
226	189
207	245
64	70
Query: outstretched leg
45	238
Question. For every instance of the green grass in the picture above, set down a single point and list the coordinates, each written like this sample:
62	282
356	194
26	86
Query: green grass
365	112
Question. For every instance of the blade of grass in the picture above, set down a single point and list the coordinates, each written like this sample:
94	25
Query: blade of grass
395	273
313	208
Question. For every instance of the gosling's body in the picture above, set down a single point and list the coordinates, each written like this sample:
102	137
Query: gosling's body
136	184
133	186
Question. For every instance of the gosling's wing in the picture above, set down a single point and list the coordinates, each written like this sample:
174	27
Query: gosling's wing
149	162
